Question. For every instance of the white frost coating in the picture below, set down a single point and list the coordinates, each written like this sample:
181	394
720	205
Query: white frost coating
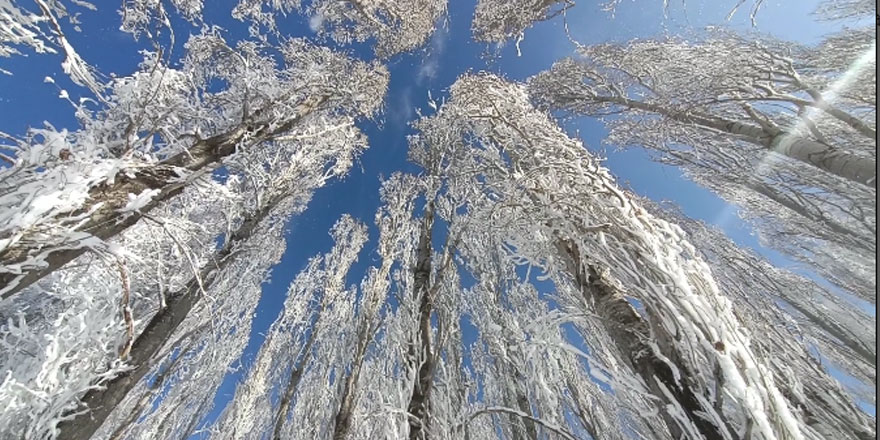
19	27
526	155
41	194
79	309
711	311
156	113
136	202
684	99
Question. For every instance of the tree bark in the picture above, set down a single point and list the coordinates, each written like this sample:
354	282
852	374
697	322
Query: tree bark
342	420
153	388
630	331
295	377
366	332
862	170
298	370
418	402
530	430
106	221
101	401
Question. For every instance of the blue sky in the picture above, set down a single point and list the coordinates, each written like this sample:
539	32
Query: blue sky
26	100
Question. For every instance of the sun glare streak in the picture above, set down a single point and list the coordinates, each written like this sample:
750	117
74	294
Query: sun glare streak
865	61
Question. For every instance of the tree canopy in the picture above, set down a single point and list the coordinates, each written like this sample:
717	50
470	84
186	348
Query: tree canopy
505	284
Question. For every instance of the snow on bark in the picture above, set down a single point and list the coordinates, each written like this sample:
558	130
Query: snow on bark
396	25
77	311
526	164
317	302
57	204
274	182
839	332
761	123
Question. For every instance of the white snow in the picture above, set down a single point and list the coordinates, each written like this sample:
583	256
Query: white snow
136	202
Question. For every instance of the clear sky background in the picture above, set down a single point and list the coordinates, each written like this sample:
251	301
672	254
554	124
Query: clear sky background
25	100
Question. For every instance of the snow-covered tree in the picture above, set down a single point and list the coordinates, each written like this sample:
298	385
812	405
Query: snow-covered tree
172	275
194	346
803	329
846	9
684	346
76	327
763	124
278	183
396	235
163	128
497	21
40	30
391	26
313	330
324	328
151	17
515	290
395	25
593	317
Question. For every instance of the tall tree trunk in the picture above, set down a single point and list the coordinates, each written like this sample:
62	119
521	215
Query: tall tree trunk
418	402
157	384
529	429
296	375
106	200
298	370
367	329
862	170
102	401
342	420
514	394
630	333
579	405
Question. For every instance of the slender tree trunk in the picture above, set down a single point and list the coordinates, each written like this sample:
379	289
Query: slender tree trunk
862	170
145	398
583	417
418	402
530	430
366	332
342	421
299	369
102	401
296	375
630	333
838	162
514	394
106	200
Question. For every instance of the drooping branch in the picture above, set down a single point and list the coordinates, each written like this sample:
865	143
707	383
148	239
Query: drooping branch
558	430
101	401
104	208
631	334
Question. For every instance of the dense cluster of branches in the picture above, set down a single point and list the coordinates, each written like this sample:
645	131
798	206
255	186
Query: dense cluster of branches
764	124
573	291
497	21
517	292
136	246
